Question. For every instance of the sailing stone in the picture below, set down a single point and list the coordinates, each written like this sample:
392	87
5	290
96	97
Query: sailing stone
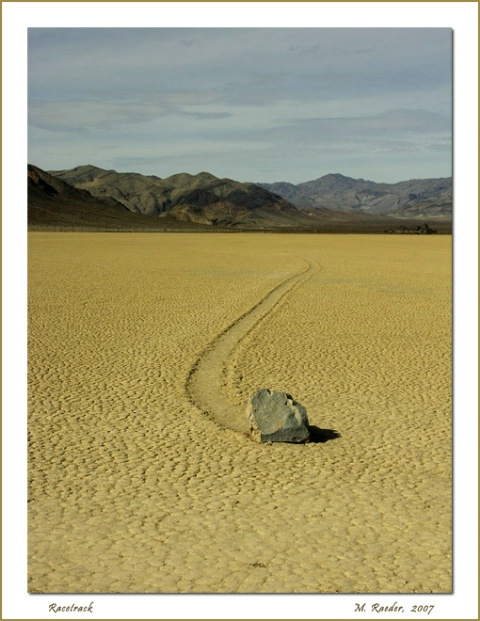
276	417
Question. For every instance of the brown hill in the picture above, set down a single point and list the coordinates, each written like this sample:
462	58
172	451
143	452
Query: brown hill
201	198
54	204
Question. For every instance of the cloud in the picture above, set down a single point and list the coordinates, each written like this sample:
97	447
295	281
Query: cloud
240	96
419	122
93	116
85	116
207	116
241	66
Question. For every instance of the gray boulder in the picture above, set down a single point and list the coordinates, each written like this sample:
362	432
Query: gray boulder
276	417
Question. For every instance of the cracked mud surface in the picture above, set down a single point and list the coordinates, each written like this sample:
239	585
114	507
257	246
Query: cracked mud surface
143	352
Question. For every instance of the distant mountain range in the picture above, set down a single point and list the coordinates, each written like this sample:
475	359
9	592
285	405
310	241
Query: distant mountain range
200	199
418	199
91	197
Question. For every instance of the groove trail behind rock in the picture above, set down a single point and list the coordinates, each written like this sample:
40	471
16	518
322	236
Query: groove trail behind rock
207	382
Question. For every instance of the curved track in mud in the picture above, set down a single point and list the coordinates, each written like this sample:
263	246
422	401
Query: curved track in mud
207	382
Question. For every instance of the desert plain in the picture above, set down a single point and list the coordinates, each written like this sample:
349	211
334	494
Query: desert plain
144	350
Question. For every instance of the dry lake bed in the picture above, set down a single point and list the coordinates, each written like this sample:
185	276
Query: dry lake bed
144	350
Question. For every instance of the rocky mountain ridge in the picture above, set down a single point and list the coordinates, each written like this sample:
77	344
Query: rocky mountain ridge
414	199
55	204
88	196
201	198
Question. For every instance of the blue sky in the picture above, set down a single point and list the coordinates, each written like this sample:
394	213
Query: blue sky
252	104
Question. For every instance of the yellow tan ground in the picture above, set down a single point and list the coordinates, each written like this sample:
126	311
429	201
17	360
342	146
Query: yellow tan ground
137	487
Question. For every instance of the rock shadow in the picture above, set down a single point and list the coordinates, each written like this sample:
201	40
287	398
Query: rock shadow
322	435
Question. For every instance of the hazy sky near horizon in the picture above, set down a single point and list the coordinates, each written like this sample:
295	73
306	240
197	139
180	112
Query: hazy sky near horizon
252	104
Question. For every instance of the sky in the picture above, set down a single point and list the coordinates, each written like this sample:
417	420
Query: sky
251	104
